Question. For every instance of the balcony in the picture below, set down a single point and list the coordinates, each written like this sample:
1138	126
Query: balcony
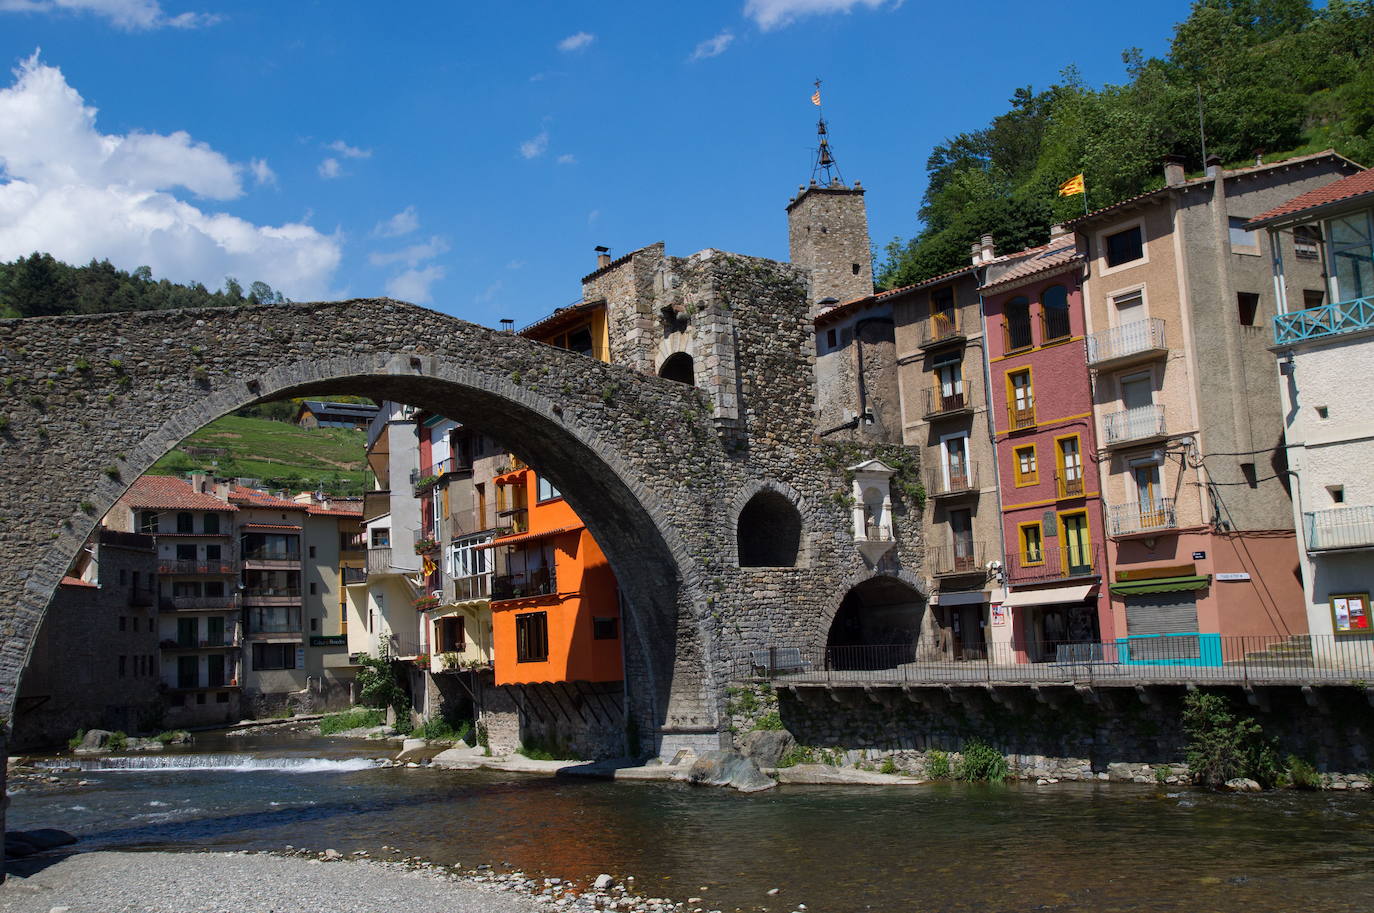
940	330
1068	487
512	521
1016	333
269	596
379	561
1130	343
1141	425
1328	320
1021	416
961	559
1135	519
189	566
466	589
226	603
942	405
230	641
953	481
1054	563
354	575
518	586
1339	528
436	471
271	559
426	540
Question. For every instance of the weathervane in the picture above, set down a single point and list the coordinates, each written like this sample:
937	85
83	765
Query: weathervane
824	170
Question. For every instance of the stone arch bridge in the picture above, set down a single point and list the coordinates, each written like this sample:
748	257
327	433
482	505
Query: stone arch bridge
92	401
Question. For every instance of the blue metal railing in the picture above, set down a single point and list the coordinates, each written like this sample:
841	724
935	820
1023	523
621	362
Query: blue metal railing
1327	320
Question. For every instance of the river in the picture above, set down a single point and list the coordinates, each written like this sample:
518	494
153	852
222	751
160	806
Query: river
1066	847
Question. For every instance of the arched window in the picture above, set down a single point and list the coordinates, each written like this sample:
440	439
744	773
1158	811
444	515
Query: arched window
678	367
1054	313
1016	326
769	532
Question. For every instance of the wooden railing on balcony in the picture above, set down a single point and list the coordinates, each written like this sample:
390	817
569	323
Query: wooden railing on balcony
1069	488
1021	416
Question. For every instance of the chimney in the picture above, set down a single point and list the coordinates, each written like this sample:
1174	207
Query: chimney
986	251
1213	164
1059	230
976	255
197	480
1173	170
603	257
1259	157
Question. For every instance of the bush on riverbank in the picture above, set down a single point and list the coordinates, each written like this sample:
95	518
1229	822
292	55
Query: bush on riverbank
537	749
357	718
441	730
1223	745
980	762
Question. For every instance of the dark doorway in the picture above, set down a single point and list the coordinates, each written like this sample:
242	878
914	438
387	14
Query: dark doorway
769	532
878	626
679	367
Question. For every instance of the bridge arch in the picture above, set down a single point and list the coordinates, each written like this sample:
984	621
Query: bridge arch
110	394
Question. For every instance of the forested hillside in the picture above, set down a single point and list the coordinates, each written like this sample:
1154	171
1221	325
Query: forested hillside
1273	76
40	286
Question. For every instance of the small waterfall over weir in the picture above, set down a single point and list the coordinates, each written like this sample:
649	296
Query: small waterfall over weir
231	762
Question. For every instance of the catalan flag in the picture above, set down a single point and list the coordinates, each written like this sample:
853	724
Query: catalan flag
816	99
429	566
1072	187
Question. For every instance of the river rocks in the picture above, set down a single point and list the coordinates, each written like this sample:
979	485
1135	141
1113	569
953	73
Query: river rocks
1243	785
603	882
19	844
333	855
766	747
729	768
94	741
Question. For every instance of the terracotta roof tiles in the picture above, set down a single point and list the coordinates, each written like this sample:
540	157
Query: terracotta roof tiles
1349	188
251	497
168	493
1037	261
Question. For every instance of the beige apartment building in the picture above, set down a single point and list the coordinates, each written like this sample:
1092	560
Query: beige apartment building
1178	301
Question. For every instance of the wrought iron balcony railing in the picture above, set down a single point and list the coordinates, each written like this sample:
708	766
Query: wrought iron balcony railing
529	583
939	403
1053	562
1327	320
1139	339
940	329
949	481
1131	426
1339	527
1129	519
963	557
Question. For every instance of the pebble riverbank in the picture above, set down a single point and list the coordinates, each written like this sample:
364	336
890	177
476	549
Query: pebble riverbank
304	881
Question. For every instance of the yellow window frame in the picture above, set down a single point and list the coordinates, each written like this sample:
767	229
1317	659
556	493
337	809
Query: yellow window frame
1061	480
1025	479
1022	541
1064	537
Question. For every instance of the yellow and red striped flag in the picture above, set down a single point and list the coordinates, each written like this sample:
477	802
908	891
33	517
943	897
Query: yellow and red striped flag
1072	187
816	99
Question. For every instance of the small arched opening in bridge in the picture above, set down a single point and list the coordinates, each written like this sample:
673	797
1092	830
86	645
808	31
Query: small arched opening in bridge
678	367
879	625
769	530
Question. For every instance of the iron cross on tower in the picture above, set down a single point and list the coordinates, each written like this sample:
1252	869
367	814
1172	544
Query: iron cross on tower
824	170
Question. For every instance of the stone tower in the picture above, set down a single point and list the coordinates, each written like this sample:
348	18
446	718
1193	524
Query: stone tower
827	233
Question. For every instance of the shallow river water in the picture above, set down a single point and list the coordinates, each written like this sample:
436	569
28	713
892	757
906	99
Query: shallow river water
932	849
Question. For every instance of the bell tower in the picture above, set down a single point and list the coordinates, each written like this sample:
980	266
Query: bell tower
827	227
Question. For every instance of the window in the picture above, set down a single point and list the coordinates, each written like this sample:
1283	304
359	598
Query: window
271	546
122	620
1032	551
1070	467
185	523
1075	543
188	671
1016	326
123	664
310	550
1125	246
1021	399
944	319
1352	256
381	537
1241	238
188	632
452	634
1337	493
147	521
1323	412
274	656
1128	307
578	339
280	619
1313	298
123	576
832	340
1147	488
210	523
605	628
1247	306
955	452
679	367
532	637
212	553
314	622
1024	466
1307	242
214	588
314	589
768	532
546	490
949	374
186	551
1054	313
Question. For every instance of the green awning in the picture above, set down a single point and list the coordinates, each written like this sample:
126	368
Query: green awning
1162	585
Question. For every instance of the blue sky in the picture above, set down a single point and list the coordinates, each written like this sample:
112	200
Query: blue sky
469	158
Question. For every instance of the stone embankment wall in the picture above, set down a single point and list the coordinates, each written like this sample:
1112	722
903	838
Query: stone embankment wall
1118	737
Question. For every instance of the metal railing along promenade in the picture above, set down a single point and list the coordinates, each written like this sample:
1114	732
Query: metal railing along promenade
1161	659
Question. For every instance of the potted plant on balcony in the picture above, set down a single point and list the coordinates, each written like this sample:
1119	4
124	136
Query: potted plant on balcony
425	602
422	660
425	545
423	484
450	661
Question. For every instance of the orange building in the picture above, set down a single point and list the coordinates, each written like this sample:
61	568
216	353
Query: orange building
555	607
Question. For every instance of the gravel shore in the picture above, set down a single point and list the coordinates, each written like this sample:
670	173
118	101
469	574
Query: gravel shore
108	882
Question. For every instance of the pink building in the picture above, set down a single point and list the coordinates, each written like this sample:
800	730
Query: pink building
1042	414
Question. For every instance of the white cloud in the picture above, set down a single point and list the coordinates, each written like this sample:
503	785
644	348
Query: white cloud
411	256
773	14
713	47
68	189
131	15
414	284
347	151
567	158
330	169
593	216
576	42
535	146
515	264
403	223
262	172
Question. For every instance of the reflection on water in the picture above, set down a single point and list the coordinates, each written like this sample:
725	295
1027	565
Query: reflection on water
1068	847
